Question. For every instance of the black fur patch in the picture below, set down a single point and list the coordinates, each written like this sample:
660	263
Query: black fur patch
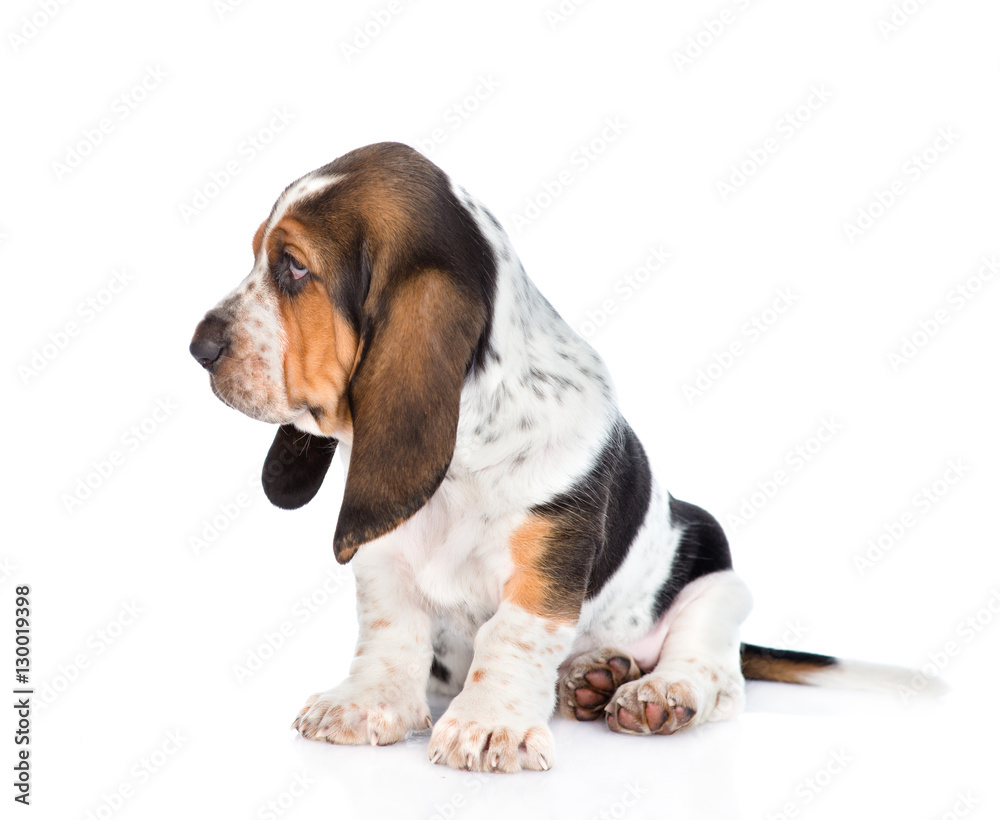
785	665
703	549
623	470
440	233
748	650
440	671
295	467
595	522
391	219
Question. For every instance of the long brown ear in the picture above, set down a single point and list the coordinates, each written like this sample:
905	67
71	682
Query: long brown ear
295	467
417	343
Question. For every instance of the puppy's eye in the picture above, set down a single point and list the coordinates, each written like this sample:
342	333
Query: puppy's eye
297	270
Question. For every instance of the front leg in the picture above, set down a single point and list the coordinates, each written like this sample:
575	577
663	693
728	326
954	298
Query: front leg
499	721
384	696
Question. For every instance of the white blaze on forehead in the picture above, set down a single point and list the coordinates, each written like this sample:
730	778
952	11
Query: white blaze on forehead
309	186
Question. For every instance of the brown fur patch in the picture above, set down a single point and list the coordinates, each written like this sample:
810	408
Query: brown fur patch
320	345
319	356
532	586
783	670
292	236
405	269
258	238
405	394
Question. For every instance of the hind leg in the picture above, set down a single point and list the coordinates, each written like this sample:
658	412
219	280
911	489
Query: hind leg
452	659
697	677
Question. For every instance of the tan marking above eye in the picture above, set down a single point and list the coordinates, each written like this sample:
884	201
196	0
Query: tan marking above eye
294	239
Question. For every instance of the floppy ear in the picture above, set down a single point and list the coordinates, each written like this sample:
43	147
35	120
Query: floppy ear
417	343
295	467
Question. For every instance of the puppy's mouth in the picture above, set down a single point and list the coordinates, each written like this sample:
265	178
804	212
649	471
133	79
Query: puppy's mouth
258	401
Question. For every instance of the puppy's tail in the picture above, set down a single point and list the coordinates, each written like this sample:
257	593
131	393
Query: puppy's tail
787	666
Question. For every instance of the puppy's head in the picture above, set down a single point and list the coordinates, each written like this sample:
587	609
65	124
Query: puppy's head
368	301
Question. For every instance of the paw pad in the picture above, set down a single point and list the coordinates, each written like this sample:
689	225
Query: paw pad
591	681
651	706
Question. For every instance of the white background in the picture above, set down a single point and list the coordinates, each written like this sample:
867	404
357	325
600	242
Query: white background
111	687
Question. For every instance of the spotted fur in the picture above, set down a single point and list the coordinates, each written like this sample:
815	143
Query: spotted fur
501	516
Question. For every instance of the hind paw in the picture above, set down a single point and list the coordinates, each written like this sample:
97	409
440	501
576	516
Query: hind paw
591	680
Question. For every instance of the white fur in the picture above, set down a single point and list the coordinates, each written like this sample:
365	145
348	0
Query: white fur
499	721
535	416
621	613
533	420
700	647
385	694
876	677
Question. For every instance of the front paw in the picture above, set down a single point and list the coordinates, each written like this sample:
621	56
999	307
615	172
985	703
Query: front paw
490	742
353	714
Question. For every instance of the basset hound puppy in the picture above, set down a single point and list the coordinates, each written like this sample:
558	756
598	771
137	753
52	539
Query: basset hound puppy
510	544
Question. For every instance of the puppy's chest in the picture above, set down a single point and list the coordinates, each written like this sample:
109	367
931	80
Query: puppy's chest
457	560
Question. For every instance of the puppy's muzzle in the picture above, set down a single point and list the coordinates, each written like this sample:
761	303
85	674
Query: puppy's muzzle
210	341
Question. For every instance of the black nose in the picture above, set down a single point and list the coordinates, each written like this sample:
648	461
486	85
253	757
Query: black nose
209	342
